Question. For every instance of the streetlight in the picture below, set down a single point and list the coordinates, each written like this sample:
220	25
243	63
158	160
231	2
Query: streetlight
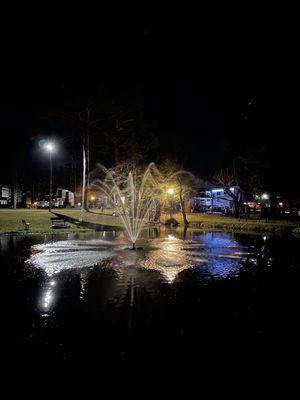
170	192
50	148
93	198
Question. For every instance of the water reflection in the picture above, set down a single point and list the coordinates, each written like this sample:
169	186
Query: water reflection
215	254
148	312
48	296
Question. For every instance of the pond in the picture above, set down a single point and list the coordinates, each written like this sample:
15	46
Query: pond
188	314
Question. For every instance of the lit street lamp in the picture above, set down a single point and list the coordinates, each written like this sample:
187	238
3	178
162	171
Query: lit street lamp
170	192
50	148
92	198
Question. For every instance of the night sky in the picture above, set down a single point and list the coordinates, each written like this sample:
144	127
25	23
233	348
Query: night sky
213	91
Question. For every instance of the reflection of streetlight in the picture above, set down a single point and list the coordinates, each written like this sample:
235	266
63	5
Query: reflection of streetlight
50	148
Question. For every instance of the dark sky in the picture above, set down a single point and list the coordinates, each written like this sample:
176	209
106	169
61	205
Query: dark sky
212	89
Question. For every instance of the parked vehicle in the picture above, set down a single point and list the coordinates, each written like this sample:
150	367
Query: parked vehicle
42	204
64	198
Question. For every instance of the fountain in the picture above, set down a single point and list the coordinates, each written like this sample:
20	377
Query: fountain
131	195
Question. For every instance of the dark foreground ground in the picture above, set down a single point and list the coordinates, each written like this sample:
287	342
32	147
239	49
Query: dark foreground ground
114	335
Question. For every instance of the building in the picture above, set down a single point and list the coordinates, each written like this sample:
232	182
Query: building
64	198
5	196
214	200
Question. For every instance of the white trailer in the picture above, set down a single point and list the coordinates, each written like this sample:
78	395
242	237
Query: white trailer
64	198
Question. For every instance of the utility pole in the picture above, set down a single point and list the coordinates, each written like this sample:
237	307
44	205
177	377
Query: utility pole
50	199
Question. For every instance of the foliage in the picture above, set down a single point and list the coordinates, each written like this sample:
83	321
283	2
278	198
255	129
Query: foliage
176	186
171	222
296	231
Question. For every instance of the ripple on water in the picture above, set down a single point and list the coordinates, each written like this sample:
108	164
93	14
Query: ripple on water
213	255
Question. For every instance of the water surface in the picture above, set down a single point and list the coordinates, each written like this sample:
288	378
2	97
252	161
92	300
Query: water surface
179	315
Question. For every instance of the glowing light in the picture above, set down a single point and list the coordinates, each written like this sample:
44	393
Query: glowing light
92	198
48	298
265	196
170	191
49	147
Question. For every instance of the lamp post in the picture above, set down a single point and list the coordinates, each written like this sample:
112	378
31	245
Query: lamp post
50	148
93	198
170	192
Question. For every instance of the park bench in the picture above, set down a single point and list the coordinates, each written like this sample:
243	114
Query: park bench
26	225
253	217
59	222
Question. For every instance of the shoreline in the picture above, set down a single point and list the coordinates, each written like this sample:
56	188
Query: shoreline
10	223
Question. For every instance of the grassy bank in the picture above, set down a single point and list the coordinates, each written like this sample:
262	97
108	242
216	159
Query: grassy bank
11	222
207	221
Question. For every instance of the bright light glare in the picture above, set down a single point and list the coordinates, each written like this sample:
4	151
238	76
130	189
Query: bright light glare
49	146
170	191
265	196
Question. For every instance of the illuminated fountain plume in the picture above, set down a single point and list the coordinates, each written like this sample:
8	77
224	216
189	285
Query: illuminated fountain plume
131	196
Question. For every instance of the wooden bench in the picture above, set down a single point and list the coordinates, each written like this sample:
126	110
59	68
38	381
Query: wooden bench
59	222
26	225
253	217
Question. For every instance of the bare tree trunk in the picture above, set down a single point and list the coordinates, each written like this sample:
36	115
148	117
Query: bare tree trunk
86	165
75	178
273	205
236	202
16	191
185	221
87	179
236	207
184	232
83	201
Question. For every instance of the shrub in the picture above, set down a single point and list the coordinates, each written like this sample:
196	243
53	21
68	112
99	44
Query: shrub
296	231
171	222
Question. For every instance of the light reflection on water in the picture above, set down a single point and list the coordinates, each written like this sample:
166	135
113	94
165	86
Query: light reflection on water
77	301
208	255
215	254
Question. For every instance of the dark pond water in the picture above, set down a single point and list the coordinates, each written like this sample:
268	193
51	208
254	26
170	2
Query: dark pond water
213	312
